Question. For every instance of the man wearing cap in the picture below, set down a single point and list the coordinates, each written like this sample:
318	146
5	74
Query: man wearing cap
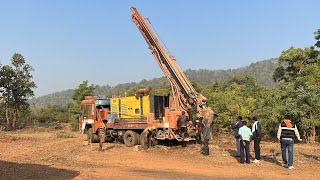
199	127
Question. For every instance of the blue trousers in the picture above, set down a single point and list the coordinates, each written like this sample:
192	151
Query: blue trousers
237	140
287	144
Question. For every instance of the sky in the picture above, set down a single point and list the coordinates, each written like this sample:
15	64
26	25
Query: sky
70	41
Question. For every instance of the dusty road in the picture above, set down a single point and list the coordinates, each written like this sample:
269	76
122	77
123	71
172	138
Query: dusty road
61	154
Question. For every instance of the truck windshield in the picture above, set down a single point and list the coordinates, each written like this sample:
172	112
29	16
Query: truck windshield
103	103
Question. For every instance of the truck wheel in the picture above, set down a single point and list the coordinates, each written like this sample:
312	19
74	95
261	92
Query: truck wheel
130	138
91	137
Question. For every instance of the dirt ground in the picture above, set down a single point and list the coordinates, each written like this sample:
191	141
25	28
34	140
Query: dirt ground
42	153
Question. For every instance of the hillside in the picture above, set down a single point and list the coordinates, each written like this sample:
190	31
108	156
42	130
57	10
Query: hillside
57	98
262	70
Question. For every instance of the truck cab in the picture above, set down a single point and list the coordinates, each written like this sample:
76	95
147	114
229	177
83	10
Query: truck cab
94	110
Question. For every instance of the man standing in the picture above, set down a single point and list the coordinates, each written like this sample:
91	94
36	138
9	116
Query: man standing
199	128
287	130
245	136
182	123
256	136
236	125
206	137
102	134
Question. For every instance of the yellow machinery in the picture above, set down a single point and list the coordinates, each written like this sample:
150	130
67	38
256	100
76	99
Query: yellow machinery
131	106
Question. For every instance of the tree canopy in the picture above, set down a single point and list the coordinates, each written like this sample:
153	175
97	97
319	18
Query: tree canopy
17	88
299	77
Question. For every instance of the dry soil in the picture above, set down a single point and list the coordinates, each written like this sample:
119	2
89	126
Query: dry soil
44	153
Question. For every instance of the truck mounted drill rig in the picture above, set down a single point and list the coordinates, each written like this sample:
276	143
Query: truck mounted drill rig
130	119
184	95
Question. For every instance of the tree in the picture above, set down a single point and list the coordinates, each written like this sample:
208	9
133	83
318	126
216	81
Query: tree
317	37
299	77
17	85
237	96
1	103
82	91
78	95
247	80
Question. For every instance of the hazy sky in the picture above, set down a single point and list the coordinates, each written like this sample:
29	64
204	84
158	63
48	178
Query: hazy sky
69	41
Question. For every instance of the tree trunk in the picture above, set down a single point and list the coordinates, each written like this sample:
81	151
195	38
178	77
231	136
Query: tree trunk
318	132
8	118
14	119
312	130
312	134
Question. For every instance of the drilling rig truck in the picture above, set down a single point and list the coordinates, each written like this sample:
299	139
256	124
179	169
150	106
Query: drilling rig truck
129	119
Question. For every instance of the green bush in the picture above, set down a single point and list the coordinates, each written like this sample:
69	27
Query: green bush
74	125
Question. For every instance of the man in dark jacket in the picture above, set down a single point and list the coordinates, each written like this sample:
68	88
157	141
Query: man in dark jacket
236	125
182	124
286	132
256	131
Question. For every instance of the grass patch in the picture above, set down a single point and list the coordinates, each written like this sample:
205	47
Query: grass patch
64	135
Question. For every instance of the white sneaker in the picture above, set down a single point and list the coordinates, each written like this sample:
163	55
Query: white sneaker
284	165
290	167
256	161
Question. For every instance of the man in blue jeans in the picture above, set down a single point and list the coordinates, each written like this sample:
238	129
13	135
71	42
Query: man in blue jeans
235	126
286	132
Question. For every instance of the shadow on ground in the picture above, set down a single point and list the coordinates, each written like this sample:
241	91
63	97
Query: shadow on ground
272	158
108	147
11	170
317	158
175	175
234	154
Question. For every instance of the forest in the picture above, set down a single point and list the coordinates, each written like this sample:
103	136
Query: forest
270	89
261	70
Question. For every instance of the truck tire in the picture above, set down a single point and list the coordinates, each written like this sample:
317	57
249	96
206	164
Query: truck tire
91	137
130	138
